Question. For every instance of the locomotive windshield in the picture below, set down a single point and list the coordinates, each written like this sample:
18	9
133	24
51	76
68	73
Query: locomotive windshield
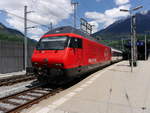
52	43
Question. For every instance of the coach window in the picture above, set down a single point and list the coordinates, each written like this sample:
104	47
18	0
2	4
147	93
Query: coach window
75	43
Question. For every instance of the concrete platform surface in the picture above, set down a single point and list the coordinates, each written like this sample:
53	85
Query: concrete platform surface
8	75
114	89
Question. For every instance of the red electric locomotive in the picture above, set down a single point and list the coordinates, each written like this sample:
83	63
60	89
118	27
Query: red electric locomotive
66	52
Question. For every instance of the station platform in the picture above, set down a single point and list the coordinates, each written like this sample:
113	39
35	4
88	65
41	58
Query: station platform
114	89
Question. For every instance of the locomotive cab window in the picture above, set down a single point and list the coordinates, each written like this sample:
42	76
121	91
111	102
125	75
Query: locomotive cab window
52	43
75	43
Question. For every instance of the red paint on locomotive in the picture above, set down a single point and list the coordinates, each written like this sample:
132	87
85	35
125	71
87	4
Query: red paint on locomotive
80	58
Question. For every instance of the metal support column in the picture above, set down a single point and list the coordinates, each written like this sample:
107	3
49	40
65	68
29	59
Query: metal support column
25	38
131	43
134	42
145	47
75	4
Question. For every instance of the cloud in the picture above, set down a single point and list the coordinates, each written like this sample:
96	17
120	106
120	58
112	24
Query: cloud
145	12
115	12
94	26
121	2
109	16
45	11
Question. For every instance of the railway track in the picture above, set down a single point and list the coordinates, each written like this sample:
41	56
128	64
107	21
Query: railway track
14	80
16	102
19	101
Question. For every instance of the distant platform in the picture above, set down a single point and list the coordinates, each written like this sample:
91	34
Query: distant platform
114	89
140	50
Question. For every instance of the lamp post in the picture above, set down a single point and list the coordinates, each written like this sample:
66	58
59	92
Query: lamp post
133	35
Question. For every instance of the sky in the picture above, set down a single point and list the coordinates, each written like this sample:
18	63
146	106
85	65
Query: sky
100	13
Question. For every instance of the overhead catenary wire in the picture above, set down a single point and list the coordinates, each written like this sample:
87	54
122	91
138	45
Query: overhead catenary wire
23	18
65	10
34	6
42	25
77	16
67	21
46	26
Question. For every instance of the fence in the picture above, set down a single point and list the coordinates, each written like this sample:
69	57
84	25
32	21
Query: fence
12	56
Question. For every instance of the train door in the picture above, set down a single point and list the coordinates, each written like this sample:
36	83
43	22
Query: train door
106	54
76	44
79	51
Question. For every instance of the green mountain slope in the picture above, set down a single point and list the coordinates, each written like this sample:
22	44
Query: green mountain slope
12	34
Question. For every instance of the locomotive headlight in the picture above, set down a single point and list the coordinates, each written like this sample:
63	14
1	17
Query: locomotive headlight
58	64
34	63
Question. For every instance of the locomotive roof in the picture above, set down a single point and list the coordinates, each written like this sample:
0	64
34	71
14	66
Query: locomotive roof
69	29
